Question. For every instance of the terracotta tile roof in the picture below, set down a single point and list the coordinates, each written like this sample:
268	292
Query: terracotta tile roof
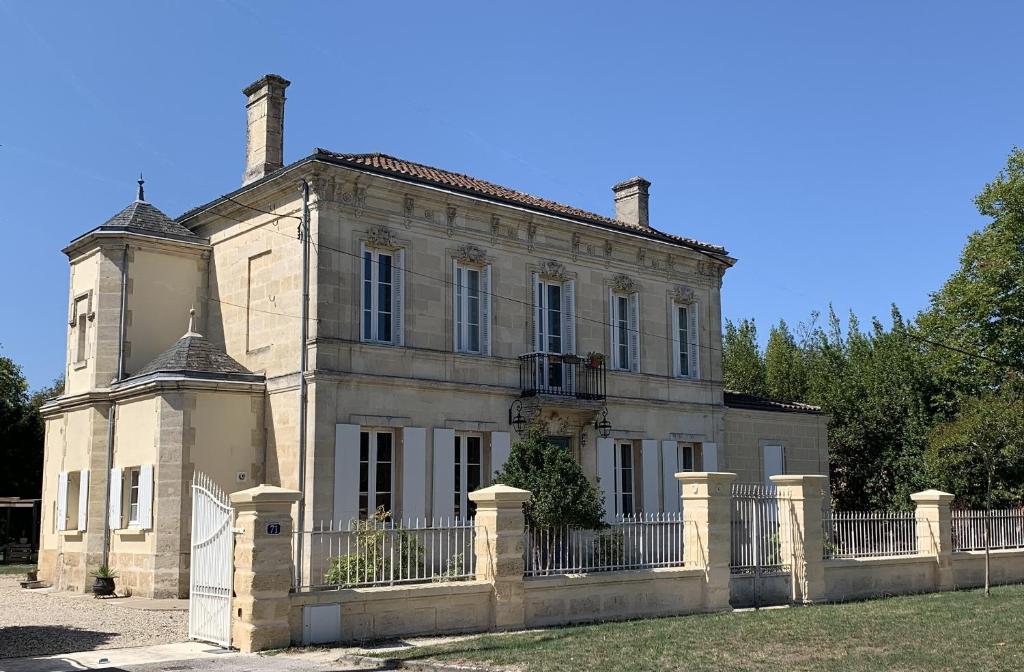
757	403
382	163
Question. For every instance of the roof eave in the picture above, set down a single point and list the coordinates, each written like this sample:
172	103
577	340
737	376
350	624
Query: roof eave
132	232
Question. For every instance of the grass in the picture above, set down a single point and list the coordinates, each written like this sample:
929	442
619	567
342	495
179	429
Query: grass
936	632
15	569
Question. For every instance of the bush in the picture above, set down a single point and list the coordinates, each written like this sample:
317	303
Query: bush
372	560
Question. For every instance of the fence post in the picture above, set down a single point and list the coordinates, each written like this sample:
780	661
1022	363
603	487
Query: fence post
263	568
707	536
500	525
801	533
935	533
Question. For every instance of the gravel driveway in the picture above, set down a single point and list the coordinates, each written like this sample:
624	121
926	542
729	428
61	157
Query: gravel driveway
34	623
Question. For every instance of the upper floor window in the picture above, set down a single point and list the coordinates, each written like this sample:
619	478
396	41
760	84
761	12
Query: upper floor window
80	323
381	296
554	332
472	308
685	346
625	330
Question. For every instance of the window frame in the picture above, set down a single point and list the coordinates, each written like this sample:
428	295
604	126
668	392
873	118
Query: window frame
461	309
370	315
625	447
690	349
371	463
132	477
81	310
461	490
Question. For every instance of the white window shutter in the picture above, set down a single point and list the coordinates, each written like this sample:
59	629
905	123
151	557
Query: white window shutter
613	338
146	496
114	513
456	304
709	457
673	319
83	498
485	311
362	292
669	482
444	474
398	310
569	317
346	475
694	341
634	332
414	473
535	289
62	500
651	483
606	474
501	447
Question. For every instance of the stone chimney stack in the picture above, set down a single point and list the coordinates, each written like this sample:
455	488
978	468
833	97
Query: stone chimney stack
264	138
631	202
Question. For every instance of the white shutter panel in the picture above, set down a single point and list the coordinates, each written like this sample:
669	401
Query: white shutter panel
694	341
362	292
669	483
62	500
456	303
606	474
146	496
501	446
651	477
634	332
83	498
346	475
444	474
114	513
613	339
569	317
537	346
485	310
709	457
398	310
673	318
414	472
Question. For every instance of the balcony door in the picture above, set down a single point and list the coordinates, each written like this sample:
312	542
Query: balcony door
554	334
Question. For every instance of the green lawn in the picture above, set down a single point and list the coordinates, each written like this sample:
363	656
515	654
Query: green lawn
15	569
946	631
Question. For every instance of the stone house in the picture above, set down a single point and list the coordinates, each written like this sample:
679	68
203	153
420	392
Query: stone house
444	312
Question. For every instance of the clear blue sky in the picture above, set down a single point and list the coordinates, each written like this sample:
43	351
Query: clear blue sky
834	148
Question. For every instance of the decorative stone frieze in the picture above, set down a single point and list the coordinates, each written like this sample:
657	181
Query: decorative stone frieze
381	236
471	254
553	270
450	213
683	294
623	283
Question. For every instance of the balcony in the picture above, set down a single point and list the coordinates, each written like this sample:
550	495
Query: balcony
559	375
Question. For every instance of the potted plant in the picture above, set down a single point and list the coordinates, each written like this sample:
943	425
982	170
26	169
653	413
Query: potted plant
32	575
104	584
595	360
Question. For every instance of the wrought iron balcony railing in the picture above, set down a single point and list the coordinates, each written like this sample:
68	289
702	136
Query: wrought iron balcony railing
560	375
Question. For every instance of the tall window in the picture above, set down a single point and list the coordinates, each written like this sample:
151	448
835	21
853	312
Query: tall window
133	496
468	473
624	478
550	331
620	324
684	340
378	296
467	309
687	457
376	472
81	318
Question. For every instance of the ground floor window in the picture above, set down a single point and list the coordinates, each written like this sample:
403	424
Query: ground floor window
468	473
131	478
687	457
376	471
624	478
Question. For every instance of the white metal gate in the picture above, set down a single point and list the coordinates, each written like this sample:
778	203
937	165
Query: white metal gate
760	575
209	607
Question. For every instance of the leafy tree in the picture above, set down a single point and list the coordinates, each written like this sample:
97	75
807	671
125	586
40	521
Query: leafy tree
562	496
785	371
21	434
742	364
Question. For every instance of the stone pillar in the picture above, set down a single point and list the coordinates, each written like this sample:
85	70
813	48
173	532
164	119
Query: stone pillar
706	531
500	525
935	533
263	568
801	533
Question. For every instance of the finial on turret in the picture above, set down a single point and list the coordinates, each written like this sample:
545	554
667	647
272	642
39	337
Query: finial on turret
142	194
191	323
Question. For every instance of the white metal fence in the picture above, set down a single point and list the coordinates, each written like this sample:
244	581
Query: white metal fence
864	534
381	552
1005	529
755	529
638	541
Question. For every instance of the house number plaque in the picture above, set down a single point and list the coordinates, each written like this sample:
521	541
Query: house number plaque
273	528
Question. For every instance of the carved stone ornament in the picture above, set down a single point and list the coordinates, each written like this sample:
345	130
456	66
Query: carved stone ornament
682	294
575	246
495	228
553	270
531	234
450	218
381	236
471	254
408	206
608	249
623	283
356	197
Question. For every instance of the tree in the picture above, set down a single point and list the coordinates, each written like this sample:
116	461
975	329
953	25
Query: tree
742	364
981	453
561	494
785	372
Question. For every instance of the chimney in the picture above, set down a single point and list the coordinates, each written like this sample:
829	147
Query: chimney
631	202
264	137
